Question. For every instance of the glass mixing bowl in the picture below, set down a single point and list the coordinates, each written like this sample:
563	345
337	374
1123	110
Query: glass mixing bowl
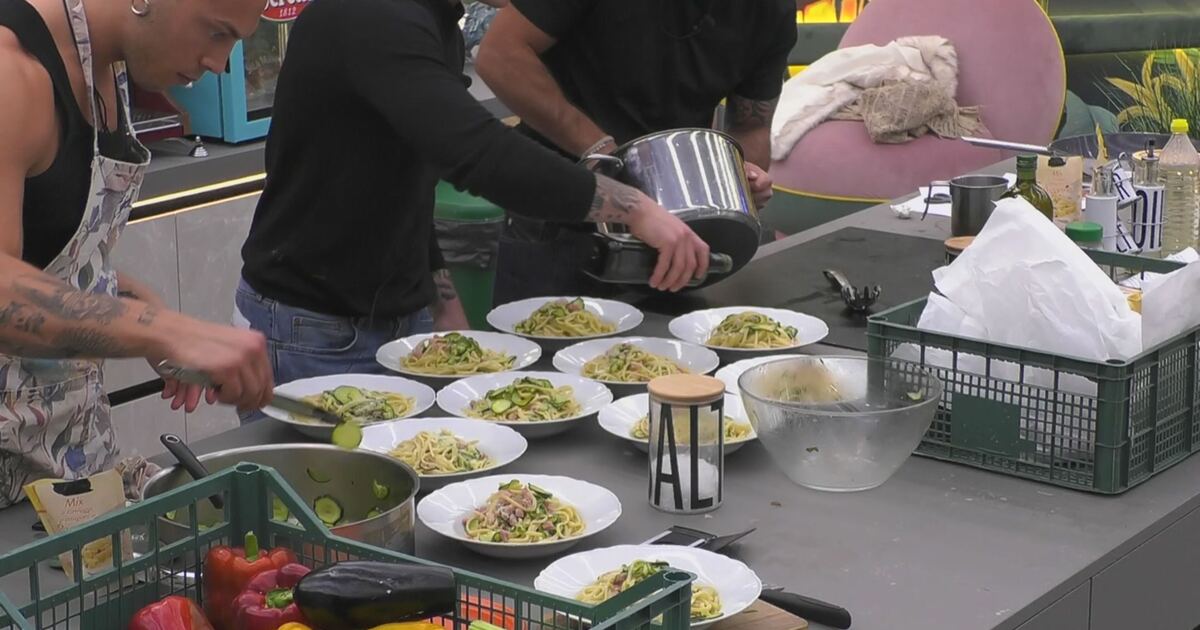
839	423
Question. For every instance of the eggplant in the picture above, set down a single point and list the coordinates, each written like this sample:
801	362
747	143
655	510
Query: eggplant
362	594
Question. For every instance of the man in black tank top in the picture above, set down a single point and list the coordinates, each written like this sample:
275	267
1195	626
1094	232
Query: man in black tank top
46	153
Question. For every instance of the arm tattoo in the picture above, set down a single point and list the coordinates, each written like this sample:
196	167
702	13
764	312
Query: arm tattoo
613	201
76	321
445	286
61	300
741	113
147	316
87	343
21	317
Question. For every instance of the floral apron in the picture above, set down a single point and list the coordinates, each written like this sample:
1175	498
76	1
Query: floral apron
54	414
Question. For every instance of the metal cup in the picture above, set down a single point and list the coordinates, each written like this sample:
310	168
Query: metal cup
972	200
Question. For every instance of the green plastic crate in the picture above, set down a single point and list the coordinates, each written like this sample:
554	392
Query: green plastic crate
1143	417
109	600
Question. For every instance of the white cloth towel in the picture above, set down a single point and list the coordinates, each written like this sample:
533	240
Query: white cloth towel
837	79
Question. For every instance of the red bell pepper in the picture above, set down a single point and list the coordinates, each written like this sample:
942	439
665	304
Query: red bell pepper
267	602
172	613
227	571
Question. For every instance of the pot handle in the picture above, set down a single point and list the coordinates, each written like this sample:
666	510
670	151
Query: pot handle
603	157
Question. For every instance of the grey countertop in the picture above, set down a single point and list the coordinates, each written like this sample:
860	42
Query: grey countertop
937	546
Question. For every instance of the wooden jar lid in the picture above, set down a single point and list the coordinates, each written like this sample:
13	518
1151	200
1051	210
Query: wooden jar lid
959	243
687	388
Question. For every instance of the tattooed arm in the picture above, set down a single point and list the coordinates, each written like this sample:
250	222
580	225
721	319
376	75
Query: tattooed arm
749	122
509	61
681	254
446	309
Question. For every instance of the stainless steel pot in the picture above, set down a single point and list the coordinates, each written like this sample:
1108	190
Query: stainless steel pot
699	175
349	473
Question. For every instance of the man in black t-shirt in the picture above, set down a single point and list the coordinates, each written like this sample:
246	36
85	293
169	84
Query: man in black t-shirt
588	75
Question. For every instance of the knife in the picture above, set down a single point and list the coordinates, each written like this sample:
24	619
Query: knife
810	609
279	401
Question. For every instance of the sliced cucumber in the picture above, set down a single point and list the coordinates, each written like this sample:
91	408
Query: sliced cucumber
347	394
380	490
347	435
279	511
500	406
318	476
327	509
374	512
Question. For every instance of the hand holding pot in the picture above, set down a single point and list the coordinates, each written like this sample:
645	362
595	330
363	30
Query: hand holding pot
682	255
760	184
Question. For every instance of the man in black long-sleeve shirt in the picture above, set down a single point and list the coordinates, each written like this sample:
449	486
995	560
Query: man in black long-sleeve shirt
371	109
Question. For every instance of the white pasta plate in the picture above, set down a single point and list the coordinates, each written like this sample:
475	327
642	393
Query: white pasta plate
444	511
622	316
691	357
456	398
698	326
499	443
737	586
619	418
422	398
391	355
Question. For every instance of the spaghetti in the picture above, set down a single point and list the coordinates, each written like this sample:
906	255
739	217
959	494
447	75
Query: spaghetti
520	513
564	318
809	382
361	405
527	399
752	331
440	453
706	602
455	354
734	431
627	363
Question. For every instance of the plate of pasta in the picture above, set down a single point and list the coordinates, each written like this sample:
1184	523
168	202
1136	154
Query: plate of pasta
634	361
364	398
452	355
519	516
748	329
723	588
445	450
565	318
535	404
628	419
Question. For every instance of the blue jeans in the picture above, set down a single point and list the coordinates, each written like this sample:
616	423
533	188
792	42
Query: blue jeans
302	344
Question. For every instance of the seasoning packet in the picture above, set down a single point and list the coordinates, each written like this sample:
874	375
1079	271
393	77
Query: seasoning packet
62	504
1062	179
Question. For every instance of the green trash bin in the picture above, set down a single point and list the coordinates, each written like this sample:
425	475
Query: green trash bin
468	231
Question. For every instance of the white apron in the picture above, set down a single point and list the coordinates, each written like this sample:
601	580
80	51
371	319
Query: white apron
54	415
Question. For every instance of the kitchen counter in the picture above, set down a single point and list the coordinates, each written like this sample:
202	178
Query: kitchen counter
939	546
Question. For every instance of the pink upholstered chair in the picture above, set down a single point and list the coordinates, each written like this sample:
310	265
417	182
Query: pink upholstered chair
1010	64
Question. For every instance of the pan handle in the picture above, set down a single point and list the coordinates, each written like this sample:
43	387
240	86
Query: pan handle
188	460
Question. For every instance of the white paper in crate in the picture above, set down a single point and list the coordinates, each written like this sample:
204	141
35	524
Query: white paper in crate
1024	283
1169	305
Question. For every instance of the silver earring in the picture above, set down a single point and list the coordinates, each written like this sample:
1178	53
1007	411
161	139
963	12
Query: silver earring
143	11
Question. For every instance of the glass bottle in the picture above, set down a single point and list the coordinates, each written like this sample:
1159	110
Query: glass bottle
1028	189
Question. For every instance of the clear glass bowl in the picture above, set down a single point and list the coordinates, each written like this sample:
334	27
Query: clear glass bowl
839	423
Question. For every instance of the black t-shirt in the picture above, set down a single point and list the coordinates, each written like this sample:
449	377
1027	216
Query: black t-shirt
371	108
640	67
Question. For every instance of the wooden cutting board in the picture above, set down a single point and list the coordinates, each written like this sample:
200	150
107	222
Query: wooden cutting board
762	616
